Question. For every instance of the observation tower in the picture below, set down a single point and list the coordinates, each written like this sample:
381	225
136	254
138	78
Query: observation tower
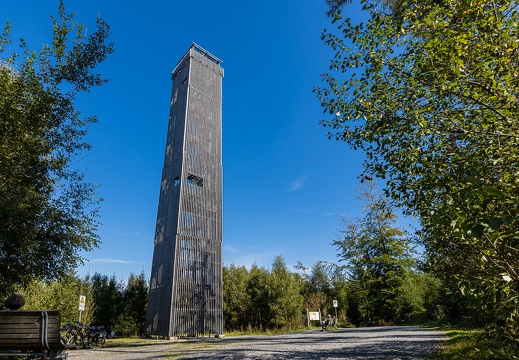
185	294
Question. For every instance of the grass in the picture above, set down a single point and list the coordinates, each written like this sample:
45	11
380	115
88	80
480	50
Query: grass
133	342
463	344
128	342
253	331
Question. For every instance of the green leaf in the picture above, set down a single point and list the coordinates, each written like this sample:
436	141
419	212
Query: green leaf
494	223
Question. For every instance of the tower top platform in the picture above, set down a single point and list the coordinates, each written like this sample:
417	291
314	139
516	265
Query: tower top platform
198	49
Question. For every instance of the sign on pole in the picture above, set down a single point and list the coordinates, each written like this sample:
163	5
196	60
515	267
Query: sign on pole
335	306
82	299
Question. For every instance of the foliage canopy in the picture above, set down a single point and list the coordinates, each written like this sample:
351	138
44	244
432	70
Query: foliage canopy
429	91
47	212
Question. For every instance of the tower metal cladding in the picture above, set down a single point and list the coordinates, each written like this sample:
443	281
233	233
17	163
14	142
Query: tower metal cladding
185	296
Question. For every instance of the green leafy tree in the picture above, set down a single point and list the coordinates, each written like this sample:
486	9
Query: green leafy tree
316	287
335	6
236	300
377	257
262	299
430	94
321	284
319	278
286	301
47	212
339	283
258	291
62	295
420	299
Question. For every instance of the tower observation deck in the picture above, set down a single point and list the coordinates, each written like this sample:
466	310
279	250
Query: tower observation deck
185	294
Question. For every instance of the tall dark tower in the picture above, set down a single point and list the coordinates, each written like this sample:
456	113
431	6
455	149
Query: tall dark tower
185	296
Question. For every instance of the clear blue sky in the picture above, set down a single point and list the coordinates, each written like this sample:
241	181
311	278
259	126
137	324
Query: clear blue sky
285	184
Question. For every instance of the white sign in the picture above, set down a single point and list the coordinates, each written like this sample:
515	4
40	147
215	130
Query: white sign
313	315
82	300
334	303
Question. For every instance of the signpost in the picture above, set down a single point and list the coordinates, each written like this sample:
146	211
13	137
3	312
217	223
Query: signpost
82	299
335	304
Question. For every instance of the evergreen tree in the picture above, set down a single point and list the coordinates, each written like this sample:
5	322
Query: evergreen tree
377	257
108	297
135	303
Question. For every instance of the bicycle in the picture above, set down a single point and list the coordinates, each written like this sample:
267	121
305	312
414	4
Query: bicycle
83	337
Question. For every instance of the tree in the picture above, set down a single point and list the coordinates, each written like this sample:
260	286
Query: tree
47	212
258	291
236	301
429	93
377	258
335	6
108	297
325	282
420	299
62	295
135	304
286	301
316	286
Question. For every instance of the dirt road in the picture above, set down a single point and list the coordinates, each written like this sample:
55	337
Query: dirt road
396	342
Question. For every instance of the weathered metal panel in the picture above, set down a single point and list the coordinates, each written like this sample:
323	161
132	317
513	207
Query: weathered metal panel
185	297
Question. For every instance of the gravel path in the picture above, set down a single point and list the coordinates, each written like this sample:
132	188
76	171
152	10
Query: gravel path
395	342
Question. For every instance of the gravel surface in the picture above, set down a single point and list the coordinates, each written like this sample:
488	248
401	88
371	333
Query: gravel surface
395	342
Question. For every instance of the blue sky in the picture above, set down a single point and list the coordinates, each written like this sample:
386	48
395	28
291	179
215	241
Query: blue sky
285	184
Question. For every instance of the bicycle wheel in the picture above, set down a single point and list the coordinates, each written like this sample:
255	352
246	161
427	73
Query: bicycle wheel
64	341
91	344
70	341
102	339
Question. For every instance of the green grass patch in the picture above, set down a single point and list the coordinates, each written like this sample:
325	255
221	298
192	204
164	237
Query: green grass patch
463	344
132	343
127	342
198	343
259	332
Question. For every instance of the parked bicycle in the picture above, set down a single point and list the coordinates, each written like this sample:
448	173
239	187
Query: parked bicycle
83	337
